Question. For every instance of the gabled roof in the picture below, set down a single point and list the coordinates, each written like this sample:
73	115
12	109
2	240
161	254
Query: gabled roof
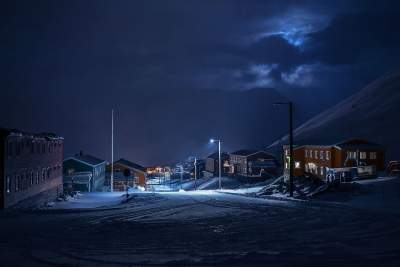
347	144
248	152
244	152
215	155
356	143
87	159
131	164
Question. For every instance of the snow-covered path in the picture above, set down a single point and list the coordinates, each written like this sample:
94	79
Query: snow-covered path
202	229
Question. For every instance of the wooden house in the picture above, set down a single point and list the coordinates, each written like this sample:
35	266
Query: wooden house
344	160
86	163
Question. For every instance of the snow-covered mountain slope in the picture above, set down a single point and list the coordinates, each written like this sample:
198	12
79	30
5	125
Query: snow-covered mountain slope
373	114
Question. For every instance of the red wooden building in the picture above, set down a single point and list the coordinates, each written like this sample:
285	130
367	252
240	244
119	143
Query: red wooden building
344	160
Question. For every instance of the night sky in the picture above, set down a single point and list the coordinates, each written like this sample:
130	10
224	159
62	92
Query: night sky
160	64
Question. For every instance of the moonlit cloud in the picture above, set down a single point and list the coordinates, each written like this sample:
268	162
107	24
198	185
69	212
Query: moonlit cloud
300	76
294	26
262	74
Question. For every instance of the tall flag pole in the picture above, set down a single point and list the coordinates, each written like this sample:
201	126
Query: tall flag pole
112	151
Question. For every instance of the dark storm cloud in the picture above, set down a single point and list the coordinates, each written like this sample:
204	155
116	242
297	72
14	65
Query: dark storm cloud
356	38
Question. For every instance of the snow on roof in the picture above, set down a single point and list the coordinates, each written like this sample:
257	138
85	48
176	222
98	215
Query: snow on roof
131	164
16	132
87	159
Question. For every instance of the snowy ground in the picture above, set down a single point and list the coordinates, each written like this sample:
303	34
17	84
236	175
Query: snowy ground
202	228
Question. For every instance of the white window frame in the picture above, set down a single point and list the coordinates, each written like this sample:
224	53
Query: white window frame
328	155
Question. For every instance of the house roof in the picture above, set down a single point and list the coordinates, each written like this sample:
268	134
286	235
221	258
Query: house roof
7	132
248	152
131	164
350	143
215	155
244	152
359	143
87	159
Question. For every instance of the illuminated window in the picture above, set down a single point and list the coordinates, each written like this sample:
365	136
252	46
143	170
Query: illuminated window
328	155
297	164
351	154
321	170
286	165
306	167
311	153
372	155
363	155
316	154
8	184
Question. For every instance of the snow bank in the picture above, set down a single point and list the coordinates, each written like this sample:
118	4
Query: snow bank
91	200
381	194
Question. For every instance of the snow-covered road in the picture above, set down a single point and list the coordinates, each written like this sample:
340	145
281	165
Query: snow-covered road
203	229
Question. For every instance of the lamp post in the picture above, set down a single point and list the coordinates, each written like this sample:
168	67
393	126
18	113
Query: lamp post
290	105
219	160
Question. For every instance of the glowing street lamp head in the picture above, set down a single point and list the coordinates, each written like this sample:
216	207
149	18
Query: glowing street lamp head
212	140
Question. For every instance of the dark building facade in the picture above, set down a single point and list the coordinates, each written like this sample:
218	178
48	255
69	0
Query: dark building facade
30	167
212	165
344	160
252	163
86	163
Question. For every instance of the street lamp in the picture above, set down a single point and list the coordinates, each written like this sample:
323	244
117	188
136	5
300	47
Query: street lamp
290	105
219	160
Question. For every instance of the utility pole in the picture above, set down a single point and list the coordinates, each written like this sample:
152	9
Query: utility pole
291	163
112	151
212	140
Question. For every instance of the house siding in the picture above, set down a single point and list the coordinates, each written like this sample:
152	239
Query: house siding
98	171
312	159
